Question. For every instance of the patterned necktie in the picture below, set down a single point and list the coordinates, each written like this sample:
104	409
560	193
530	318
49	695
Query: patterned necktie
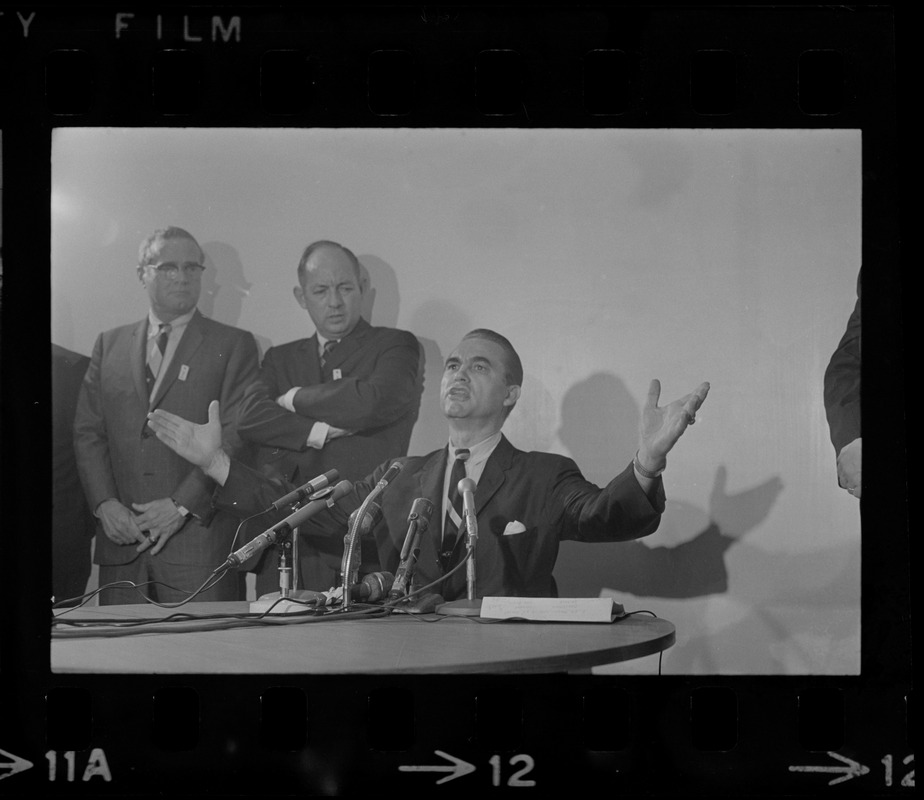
329	345
453	521
156	354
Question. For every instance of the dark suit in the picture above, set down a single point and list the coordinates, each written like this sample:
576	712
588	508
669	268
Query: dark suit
842	384
72	524
543	492
119	457
377	395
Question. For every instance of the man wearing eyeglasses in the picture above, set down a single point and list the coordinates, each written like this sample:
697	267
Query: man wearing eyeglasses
156	523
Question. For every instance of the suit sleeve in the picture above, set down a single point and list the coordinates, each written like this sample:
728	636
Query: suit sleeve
195	491
91	440
842	385
360	403
618	512
262	420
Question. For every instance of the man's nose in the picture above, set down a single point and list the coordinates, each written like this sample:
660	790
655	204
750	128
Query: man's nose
336	299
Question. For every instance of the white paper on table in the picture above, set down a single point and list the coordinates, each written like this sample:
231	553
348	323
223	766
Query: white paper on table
552	609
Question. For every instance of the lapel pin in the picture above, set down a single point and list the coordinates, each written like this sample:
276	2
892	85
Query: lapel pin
184	371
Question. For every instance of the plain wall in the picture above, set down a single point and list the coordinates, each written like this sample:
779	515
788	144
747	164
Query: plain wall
608	258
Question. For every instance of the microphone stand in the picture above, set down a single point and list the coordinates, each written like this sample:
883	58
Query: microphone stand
353	534
471	606
286	551
350	543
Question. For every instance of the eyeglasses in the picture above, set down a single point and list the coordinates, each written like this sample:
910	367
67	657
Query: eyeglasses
170	271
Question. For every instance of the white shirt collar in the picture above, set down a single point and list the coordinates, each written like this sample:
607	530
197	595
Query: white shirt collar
154	323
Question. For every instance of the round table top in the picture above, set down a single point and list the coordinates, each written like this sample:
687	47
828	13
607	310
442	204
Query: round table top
397	644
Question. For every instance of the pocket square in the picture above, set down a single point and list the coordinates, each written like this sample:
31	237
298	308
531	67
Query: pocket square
514	528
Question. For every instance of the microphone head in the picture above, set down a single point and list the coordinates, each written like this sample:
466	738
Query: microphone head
340	490
466	485
421	510
392	471
377	584
371	518
330	477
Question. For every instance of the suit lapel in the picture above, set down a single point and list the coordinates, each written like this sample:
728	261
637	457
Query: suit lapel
139	359
308	365
494	474
492	478
192	338
348	345
430	480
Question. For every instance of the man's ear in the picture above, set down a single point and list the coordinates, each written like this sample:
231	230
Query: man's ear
513	394
299	296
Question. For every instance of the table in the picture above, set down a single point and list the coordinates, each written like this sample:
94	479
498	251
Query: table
396	644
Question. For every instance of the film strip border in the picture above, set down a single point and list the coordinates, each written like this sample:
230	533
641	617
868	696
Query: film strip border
455	66
447	66
770	737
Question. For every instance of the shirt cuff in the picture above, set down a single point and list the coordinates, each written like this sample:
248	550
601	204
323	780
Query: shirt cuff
219	468
318	436
287	400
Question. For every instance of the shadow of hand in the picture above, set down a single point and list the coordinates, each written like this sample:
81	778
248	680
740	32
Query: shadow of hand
736	514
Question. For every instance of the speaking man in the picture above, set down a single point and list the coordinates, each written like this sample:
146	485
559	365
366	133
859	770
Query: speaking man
525	503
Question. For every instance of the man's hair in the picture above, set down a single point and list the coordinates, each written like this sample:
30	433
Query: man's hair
146	251
513	368
315	246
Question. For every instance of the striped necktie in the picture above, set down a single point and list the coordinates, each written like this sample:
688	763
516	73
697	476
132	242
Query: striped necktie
156	352
453	521
329	345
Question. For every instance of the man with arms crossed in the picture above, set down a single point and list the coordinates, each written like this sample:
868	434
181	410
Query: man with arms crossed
346	398
156	521
525	503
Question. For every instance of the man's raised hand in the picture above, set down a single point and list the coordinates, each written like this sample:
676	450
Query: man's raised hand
661	426
198	444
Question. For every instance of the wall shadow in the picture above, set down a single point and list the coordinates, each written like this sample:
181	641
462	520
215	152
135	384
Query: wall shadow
430	431
599	428
778	588
382	301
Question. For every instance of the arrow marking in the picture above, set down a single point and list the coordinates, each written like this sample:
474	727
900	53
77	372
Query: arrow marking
853	769
16	764
457	769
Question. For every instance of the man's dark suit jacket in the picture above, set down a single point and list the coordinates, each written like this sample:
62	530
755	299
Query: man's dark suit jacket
842	384
377	395
541	494
119	456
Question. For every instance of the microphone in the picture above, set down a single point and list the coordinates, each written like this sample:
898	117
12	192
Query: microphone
373	587
466	488
417	523
388	477
372	516
347	569
303	492
268	537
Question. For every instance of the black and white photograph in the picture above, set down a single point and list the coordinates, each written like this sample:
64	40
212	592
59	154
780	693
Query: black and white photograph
578	369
